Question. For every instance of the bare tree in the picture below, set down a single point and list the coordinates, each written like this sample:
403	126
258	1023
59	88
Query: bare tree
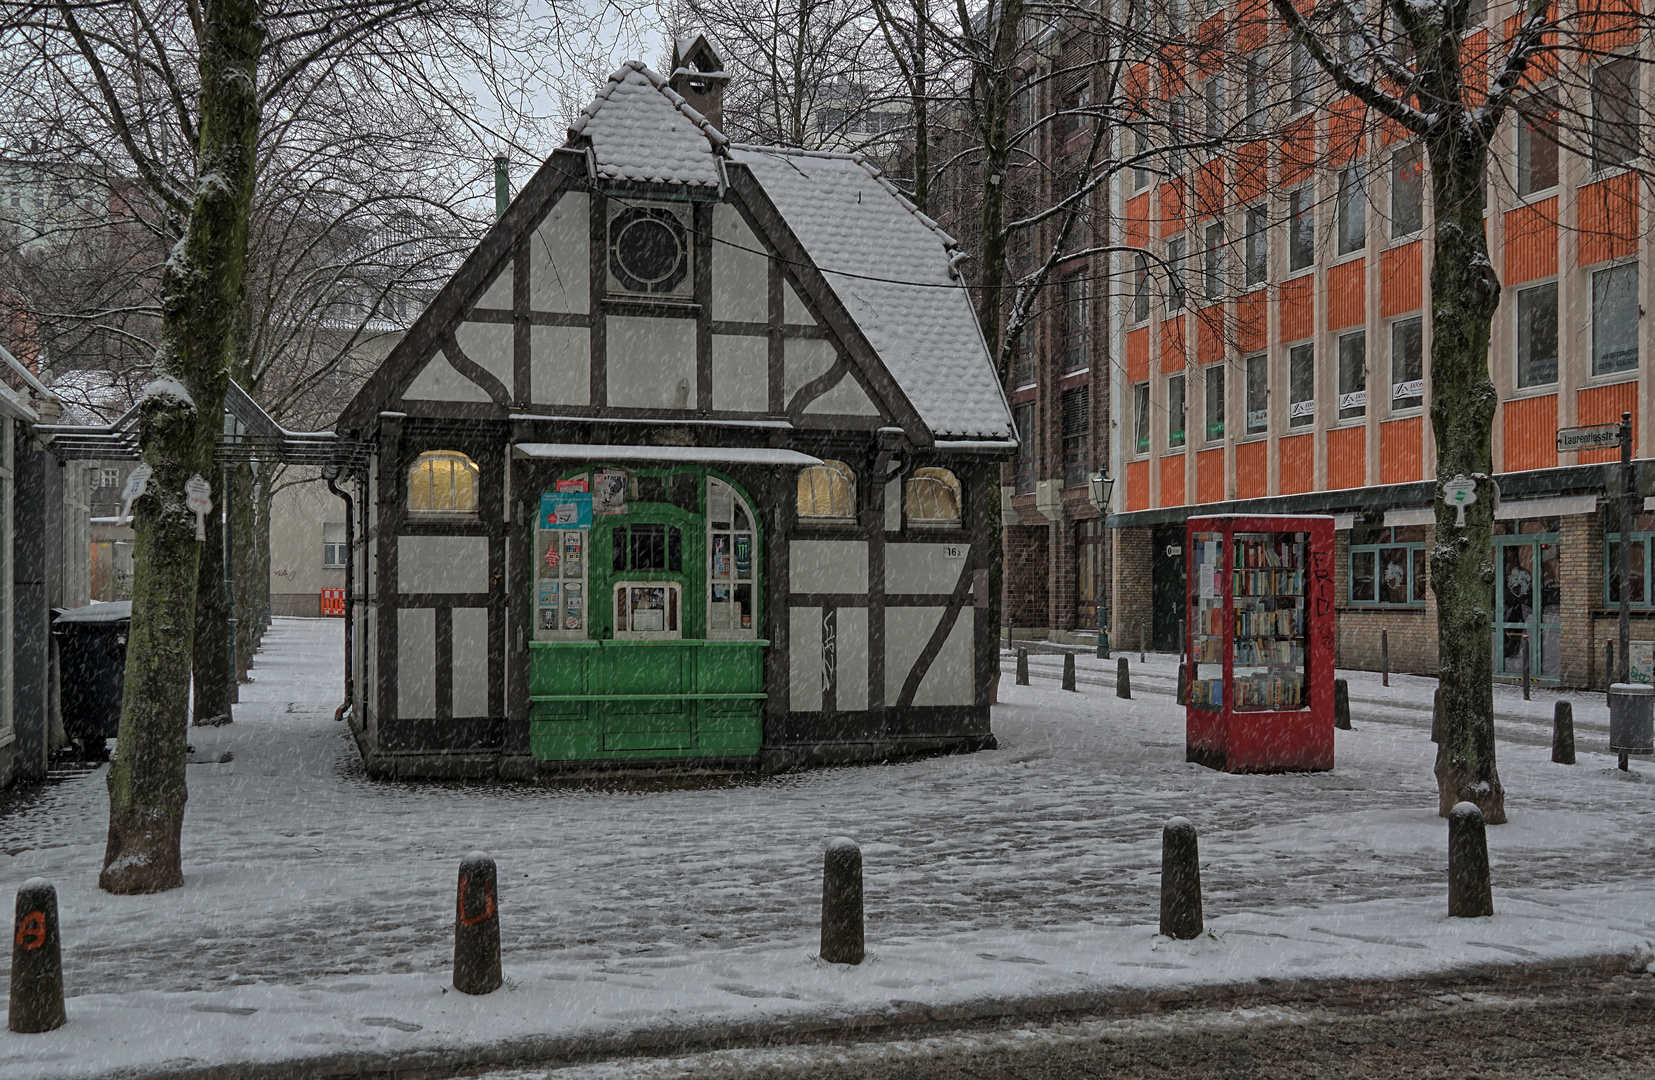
280	189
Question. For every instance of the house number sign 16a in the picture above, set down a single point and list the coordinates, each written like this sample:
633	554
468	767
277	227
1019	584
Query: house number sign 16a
953	551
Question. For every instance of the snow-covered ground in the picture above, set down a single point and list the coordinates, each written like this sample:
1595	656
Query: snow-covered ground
316	919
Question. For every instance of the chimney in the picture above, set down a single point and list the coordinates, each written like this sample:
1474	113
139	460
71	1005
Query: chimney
698	76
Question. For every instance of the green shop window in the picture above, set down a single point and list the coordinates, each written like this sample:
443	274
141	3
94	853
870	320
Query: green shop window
647	587
1643	535
1387	565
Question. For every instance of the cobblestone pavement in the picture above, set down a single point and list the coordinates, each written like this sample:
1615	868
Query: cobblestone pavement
1568	1026
298	867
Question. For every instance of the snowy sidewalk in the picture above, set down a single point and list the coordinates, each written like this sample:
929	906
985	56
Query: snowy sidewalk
316	919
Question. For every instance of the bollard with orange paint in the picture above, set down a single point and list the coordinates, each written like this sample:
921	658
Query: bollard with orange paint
477	927
36	961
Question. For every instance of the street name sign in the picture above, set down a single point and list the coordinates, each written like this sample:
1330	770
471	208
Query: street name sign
1590	437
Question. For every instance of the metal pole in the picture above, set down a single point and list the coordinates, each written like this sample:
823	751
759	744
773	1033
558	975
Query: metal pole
1384	657
1626	544
230	585
1141	656
1525	667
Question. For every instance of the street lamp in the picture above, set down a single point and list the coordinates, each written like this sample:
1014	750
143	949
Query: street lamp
1101	486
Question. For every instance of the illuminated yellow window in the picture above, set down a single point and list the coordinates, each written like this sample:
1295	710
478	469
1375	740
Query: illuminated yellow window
933	497
443	482
828	490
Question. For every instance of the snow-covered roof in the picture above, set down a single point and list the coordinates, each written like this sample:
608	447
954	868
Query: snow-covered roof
889	265
641	129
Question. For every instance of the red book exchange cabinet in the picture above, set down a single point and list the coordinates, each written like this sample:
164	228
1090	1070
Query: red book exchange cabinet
1260	643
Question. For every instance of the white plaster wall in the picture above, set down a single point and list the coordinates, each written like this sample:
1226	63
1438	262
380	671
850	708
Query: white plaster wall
560	365
794	311
828	566
804	660
803	359
442	564
906	632
741	273
438	381
741	373
852	692
297	514
948	682
559	257
489	346
470	662
923	568
498	294
417	662
846	398
651	362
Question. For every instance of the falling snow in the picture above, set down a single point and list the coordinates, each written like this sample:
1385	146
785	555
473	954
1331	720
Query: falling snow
316	916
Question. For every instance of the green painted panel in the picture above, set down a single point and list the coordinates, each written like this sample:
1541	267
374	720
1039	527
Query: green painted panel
608	700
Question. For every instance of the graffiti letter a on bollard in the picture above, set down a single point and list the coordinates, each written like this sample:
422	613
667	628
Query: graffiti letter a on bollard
477	927
36	961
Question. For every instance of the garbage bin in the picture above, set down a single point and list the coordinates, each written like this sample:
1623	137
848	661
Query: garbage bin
1632	718
92	662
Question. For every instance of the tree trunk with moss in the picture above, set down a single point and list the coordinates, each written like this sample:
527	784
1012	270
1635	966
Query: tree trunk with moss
1465	292
179	420
211	679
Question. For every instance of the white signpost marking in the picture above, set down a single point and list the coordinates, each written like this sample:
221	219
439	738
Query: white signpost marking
198	496
137	482
1460	493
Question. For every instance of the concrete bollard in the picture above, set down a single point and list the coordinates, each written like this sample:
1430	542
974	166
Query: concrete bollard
1183	683
1022	667
36	961
1436	716
1180	880
1341	704
1563	733
1470	895
1123	679
477	927
1069	671
842	940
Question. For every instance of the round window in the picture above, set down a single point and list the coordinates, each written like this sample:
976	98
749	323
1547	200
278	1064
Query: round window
648	251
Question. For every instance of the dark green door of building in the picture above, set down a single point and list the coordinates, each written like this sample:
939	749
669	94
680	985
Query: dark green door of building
1167	574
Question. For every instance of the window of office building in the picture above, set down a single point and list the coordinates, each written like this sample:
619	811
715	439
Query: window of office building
1353	211
1214	416
1407	191
1175	275
1258	393
1140	288
1407	364
1077	313
1175	411
1212	263
1140	418
1615	320
1077	416
1301	386
1614	113
1537	335
1301	228
1537	143
1023	417
1643	533
1256	246
1353	375
1387	565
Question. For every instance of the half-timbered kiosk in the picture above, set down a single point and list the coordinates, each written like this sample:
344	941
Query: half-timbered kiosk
691	464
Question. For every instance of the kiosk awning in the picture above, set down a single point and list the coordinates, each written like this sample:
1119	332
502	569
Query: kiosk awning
712	455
